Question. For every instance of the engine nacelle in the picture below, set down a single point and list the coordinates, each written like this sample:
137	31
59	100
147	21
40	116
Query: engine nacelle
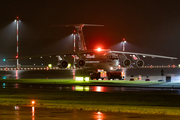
125	63
138	63
80	63
62	64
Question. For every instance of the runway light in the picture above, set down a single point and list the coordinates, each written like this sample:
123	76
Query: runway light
99	112
16	107
33	102
50	65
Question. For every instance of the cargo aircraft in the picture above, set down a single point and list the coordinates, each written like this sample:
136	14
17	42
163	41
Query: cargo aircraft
102	58
105	59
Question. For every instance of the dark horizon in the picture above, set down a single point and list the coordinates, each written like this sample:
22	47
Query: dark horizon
148	26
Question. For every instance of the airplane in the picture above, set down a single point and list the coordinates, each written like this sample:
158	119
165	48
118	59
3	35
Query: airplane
102	58
105	59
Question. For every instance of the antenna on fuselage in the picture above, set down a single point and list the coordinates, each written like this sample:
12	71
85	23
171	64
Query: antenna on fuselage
81	43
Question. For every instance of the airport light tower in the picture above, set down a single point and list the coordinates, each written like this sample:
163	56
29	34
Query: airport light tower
74	37
17	56
124	42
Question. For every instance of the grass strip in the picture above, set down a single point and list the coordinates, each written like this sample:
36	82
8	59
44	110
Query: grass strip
129	102
137	83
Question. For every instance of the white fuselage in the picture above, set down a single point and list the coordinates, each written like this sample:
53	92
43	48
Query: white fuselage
101	60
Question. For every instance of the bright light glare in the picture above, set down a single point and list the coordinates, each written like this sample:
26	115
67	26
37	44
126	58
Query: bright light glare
99	112
99	49
79	78
33	102
69	65
86	78
50	65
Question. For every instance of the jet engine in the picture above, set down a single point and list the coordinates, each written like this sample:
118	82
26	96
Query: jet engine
80	63
62	64
125	62
138	63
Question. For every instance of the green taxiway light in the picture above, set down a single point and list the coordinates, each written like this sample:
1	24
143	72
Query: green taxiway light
4	60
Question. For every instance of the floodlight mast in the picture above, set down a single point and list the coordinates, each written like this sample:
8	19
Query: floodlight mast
17	56
124	42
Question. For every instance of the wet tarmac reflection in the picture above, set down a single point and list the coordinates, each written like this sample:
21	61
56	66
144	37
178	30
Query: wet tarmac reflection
29	113
169	90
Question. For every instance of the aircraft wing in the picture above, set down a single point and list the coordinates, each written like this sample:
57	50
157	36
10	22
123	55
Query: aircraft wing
51	55
144	55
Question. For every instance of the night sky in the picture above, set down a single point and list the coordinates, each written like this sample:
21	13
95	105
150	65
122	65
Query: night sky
149	26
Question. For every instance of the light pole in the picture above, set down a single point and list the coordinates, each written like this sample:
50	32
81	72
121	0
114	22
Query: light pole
74	35
17	56
124	42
